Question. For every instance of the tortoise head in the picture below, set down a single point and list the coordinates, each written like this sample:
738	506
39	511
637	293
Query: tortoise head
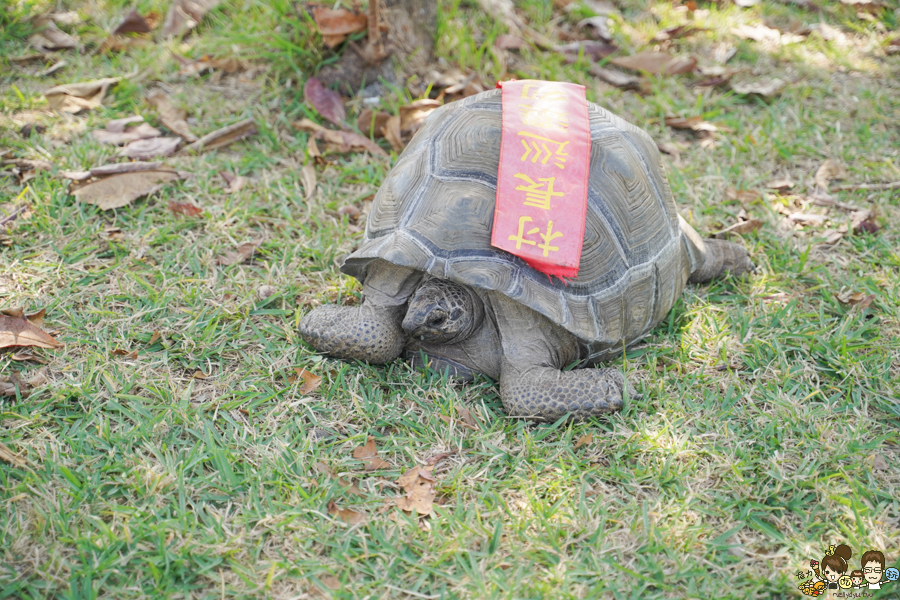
443	312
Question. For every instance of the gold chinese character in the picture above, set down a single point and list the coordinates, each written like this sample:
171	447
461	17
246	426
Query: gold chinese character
542	93
549	237
541	115
559	155
519	238
535	193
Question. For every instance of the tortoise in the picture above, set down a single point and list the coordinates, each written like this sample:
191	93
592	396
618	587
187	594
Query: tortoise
437	291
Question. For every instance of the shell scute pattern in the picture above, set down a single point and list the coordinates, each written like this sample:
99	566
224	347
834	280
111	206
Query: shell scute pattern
438	213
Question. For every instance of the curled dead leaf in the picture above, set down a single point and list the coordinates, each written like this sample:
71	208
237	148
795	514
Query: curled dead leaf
828	170
392	134
616	78
151	147
49	37
414	114
184	15
119	190
780	185
222	137
326	102
129	355
371	122
336	25
858	299
132	23
339	141
185	208
117	138
420	493
740	227
238	255
308	178
75	97
368	453
656	63
19	329
311	382
584	440
351	517
593	50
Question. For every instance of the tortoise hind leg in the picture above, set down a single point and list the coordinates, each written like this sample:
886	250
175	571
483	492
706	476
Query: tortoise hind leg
547	394
370	332
713	258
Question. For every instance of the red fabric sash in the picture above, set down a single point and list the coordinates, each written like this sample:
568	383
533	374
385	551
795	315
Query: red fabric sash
545	151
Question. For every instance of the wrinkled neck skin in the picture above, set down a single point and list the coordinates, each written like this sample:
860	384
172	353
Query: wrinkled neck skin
443	312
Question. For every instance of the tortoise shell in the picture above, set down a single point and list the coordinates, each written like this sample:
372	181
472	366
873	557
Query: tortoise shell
435	209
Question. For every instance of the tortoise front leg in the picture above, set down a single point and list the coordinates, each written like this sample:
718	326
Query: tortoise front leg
546	393
370	332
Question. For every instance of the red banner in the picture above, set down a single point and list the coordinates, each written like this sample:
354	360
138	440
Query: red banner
545	151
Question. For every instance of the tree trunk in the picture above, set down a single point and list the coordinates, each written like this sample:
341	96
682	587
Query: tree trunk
401	46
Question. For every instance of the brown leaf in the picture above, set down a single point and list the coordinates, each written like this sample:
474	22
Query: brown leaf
371	123
222	137
312	149
75	97
310	383
16	329
184	15
828	170
129	355
616	78
507	41
863	221
878	462
132	23
860	299
51	70
199	375
139	132
419	497
692	123
184	208
678	31
154	338
336	25
761	87
326	102
468	417
126	167
740	227
151	147
235	182
118	43
339	141
351	517
50	37
414	114
171	116
368	453
206	63
392	134
592	49
119	190
308	177
238	255
583	440
656	63
807	218
781	185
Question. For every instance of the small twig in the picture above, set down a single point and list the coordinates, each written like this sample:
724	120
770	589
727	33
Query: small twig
374	24
867	186
12	216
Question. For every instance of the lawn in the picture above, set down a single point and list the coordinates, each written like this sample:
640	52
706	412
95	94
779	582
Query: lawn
179	445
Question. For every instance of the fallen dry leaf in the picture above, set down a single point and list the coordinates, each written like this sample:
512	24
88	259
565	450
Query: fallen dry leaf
672	148
130	355
451	421
391	132
678	31
656	63
807	218
414	114
184	15
336	25
592	49
863	221
371	122
19	329
349	487
312	150
235	182
126	167
879	463
740	227
691	123
199	375
468	417
206	63
339	141
507	41
151	147
859	299
583	440
419	486
368	453
759	87
184	208
111	136
351	517
132	23
75	97
308	177
50	71
238	255
780	185
616	78
766	35
310	383
172	117
326	102
49	37
828	170
222	137
119	190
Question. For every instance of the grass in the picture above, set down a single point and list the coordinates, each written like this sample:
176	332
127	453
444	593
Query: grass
764	400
